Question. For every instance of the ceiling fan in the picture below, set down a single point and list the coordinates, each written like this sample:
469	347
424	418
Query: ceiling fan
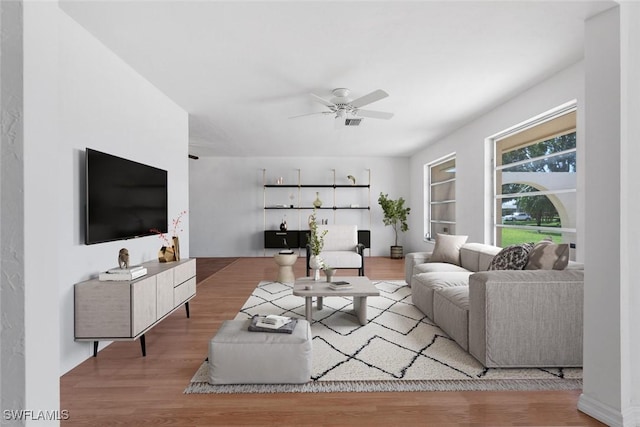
342	107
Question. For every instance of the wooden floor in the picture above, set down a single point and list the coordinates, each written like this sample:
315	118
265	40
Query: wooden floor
120	387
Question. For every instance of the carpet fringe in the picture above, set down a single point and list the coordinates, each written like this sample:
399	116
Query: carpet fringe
387	386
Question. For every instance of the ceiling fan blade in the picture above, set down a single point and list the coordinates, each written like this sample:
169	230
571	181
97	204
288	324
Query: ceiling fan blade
311	114
374	96
374	114
323	101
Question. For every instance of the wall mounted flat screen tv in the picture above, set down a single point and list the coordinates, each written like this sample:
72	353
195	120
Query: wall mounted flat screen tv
124	199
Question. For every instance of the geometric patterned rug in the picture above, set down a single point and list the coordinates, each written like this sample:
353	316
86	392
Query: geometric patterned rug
399	349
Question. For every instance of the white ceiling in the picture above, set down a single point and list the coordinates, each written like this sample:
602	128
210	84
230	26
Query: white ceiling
241	69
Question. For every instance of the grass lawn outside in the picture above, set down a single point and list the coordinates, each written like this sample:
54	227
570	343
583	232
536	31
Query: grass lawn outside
512	236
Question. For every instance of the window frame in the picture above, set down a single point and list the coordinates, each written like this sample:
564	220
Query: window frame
429	221
497	224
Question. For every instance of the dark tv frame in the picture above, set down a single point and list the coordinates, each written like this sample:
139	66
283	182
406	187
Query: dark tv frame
118	193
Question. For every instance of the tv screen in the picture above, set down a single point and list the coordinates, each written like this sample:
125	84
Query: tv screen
125	199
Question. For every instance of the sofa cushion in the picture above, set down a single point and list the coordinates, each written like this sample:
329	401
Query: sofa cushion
477	256
451	313
447	248
547	255
513	257
423	285
434	267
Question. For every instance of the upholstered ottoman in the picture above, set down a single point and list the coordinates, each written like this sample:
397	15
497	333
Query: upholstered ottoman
451	313
237	356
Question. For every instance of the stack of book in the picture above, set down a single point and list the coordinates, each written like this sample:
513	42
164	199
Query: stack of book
272	323
123	274
340	285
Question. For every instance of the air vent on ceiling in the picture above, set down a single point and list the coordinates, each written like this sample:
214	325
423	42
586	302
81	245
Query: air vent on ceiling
352	122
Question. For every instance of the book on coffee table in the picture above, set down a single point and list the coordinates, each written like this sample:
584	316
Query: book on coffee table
340	285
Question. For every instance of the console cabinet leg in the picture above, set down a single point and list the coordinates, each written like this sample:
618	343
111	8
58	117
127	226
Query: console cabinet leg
95	349
186	306
143	344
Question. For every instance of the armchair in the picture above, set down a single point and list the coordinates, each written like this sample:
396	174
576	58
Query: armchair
341	248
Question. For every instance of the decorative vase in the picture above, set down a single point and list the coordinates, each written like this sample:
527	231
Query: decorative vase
283	225
329	272
166	254
176	248
315	262
317	202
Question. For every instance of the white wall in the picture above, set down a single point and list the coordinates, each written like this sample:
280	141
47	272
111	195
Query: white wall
630	204
13	393
226	199
473	185
611	388
79	94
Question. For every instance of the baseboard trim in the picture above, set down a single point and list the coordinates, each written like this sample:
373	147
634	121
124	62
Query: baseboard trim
608	415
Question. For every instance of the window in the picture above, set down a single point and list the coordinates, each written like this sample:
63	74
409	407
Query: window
441	185
535	181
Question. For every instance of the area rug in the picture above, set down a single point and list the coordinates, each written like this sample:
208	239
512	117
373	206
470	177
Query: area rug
399	349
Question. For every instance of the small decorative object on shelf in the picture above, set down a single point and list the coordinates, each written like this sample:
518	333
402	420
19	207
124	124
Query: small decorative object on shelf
317	202
123	258
176	247
166	254
352	179
170	251
280	181
283	225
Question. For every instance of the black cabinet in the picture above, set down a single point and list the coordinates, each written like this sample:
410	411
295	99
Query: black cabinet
281	239
298	239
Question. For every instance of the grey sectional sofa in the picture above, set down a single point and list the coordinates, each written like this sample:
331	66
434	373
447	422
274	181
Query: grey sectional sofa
504	318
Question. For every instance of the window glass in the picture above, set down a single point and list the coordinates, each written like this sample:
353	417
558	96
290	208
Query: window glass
441	199
535	183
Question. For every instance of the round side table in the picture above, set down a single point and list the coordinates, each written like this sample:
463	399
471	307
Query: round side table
285	272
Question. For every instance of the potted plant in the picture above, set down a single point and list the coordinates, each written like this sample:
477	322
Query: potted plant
315	243
395	214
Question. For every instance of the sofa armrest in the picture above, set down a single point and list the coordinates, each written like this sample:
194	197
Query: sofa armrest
411	260
526	318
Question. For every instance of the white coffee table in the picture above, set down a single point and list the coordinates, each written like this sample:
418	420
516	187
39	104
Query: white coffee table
361	288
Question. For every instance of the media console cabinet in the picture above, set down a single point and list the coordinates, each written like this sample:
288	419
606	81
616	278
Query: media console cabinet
126	310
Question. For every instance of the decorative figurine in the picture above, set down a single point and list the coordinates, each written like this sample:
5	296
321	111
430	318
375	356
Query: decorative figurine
352	179
123	258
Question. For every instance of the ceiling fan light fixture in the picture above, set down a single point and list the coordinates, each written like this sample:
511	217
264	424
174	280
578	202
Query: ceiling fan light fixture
355	121
342	107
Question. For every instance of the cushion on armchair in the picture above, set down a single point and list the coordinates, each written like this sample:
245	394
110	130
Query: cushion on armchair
341	249
339	237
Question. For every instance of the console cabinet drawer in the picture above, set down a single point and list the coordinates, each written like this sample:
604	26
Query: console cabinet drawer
184	291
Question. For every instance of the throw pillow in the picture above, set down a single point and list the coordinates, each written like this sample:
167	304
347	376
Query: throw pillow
447	248
513	257
547	255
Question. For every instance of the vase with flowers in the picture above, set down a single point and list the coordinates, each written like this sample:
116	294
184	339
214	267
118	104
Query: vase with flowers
315	240
170	250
